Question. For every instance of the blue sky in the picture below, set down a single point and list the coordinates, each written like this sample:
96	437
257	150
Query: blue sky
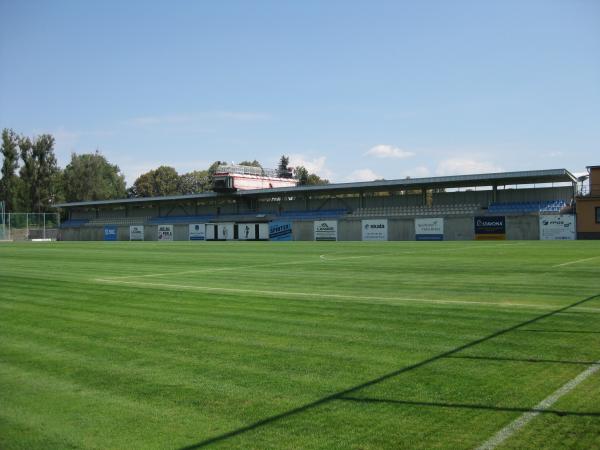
352	90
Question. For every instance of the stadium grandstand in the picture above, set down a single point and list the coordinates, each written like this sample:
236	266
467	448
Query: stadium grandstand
521	204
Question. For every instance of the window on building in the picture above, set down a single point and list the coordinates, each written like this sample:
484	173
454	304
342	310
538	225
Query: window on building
598	214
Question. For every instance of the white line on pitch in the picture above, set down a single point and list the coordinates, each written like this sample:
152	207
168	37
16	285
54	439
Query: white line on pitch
575	262
317	295
525	418
342	258
210	270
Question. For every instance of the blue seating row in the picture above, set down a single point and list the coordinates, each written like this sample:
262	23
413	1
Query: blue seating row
527	207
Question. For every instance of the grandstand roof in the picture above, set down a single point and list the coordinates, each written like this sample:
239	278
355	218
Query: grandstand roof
454	181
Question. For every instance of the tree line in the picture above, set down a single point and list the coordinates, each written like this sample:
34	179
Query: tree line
31	180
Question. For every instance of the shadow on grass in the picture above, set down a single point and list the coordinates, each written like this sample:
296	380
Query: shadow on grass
469	406
344	393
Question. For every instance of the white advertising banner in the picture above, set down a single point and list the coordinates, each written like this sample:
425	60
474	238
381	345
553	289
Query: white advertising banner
325	230
430	229
211	231
225	231
165	232
246	231
375	230
136	233
263	231
197	232
557	227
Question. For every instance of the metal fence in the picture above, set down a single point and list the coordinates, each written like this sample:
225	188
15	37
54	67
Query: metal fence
2	223
29	226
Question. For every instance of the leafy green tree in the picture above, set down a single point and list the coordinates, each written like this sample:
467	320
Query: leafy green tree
301	174
314	179
156	183
9	183
39	172
308	179
91	177
194	182
283	170
212	169
253	163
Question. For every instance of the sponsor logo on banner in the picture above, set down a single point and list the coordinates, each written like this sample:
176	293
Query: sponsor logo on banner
165	232
280	231
196	232
429	229
556	227
325	230
375	230
490	228
136	233
110	232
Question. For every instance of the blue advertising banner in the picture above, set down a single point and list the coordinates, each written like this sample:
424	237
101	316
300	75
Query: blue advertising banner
280	231
490	227
110	232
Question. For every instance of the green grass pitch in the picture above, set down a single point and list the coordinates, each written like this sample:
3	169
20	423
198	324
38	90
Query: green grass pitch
303	345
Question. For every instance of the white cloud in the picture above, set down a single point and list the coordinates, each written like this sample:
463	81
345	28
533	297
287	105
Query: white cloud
419	172
388	151
313	165
363	175
463	166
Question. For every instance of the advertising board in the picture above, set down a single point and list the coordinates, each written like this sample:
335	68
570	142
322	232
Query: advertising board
136	233
429	229
263	231
490	228
225	231
557	227
110	232
165	232
325	230
280	230
196	232
246	231
211	232
375	230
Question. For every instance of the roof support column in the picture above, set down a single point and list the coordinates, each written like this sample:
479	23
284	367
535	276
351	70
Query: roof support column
423	197
495	193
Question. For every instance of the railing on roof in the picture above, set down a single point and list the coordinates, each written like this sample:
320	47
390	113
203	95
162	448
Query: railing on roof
246	170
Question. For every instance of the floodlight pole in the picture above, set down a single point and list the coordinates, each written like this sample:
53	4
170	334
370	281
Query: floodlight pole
44	232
